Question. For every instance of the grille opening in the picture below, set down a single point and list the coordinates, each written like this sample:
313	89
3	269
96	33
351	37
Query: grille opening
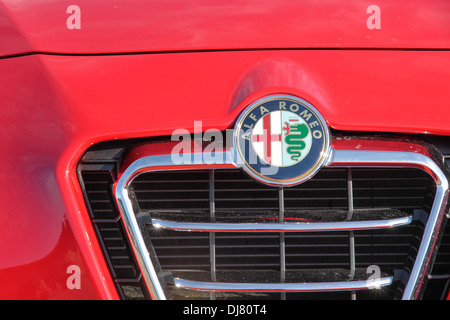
103	160
97	180
255	257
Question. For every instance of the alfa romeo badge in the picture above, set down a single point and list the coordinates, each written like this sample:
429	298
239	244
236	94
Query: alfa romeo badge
281	140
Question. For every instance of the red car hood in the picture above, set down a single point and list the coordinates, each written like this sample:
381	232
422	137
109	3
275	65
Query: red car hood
122	26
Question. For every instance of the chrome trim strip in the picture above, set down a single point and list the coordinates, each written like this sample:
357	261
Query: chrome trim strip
281	227
283	287
131	226
341	158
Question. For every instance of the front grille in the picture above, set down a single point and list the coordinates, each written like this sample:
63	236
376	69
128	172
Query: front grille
229	196
165	202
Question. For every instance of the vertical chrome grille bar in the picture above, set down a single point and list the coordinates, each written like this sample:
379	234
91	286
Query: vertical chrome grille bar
282	240
351	233
212	235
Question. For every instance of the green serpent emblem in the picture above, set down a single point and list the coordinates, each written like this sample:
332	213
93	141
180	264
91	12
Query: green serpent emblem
294	138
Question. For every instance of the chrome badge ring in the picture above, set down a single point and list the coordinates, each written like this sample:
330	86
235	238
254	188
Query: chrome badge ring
281	140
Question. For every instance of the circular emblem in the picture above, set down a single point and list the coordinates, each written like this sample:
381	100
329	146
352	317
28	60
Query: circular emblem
281	140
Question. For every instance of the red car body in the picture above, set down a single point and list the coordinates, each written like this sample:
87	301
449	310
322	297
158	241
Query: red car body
145	68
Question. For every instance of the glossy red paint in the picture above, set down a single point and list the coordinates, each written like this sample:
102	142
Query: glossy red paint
44	224
152	95
174	25
53	109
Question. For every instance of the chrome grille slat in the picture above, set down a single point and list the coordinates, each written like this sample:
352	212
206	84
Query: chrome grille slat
280	227
282	287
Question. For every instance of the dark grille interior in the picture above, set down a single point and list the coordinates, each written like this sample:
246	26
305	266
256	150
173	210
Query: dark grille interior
97	172
186	195
313	250
189	190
